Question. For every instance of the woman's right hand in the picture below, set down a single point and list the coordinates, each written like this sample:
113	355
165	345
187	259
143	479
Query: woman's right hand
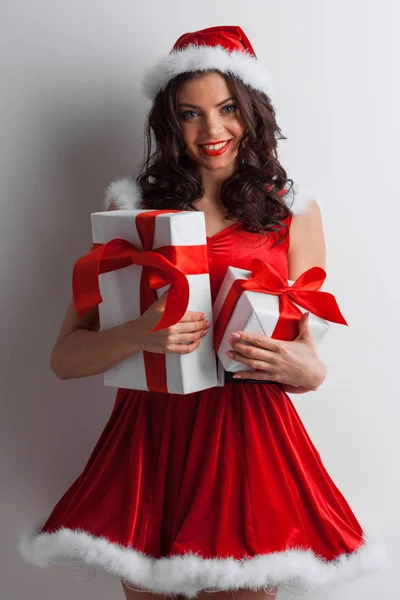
181	338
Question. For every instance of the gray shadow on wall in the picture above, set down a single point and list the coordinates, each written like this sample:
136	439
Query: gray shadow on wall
56	424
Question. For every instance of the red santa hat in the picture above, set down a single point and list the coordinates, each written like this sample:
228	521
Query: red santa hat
224	49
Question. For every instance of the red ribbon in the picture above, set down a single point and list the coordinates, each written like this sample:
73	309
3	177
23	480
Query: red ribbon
304	292
163	266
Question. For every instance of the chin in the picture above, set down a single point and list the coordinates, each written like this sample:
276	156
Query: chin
215	166
216	163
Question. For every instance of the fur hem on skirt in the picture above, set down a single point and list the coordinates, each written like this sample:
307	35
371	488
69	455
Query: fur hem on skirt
188	574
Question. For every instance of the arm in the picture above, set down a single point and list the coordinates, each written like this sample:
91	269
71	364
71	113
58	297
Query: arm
306	242
306	250
82	350
294	364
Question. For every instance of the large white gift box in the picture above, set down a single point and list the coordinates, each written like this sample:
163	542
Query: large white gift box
120	291
256	313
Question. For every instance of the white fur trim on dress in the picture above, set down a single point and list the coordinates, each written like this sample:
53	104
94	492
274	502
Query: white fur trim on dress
206	58
123	194
188	574
298	201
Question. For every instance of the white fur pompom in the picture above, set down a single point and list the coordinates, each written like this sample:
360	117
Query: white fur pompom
298	201
124	194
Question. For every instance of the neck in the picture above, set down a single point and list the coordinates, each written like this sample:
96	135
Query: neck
212	182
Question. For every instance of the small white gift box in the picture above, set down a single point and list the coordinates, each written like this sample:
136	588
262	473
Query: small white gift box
256	313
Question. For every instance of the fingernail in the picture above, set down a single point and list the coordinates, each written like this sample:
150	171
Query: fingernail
208	324
235	335
230	354
237	377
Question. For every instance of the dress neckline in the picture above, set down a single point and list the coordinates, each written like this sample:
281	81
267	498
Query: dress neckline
223	231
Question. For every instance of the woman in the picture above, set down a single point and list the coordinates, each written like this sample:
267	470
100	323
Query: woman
220	490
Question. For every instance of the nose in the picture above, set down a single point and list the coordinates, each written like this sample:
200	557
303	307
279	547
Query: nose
212	125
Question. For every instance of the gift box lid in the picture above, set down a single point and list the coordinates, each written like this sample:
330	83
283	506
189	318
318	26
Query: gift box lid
184	228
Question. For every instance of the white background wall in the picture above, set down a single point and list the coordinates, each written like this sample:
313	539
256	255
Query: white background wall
72	115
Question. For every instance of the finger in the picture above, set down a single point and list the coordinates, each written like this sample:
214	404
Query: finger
256	339
183	348
253	352
303	320
256	374
253	363
294	389
304	326
162	300
187	338
190	315
190	326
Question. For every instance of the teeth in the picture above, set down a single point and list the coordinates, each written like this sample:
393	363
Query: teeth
215	146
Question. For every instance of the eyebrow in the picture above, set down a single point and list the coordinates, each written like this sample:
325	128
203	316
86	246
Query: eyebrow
195	106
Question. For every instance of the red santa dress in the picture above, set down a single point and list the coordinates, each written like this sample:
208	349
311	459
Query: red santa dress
219	489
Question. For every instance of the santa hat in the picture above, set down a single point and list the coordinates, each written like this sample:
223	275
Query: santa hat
224	49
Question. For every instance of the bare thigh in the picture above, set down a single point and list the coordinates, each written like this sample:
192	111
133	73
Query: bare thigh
268	593
137	594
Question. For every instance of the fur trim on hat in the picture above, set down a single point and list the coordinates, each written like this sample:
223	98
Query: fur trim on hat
206	58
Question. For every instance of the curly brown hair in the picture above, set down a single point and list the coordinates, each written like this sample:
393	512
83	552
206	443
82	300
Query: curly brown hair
169	179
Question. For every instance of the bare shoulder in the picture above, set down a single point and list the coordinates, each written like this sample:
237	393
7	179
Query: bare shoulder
306	240
306	223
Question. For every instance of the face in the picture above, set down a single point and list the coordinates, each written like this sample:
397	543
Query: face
210	122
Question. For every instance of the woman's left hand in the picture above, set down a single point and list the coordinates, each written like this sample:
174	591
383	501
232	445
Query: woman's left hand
294	363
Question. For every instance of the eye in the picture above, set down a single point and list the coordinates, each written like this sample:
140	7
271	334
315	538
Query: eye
230	108
188	114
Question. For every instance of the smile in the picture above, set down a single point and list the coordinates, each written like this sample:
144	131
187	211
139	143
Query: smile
215	149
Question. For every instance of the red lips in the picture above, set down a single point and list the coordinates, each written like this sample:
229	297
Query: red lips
216	152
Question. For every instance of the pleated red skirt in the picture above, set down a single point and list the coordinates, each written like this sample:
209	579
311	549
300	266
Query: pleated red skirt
218	489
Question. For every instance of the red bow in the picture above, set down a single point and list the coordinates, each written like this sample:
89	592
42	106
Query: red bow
118	254
169	264
304	292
